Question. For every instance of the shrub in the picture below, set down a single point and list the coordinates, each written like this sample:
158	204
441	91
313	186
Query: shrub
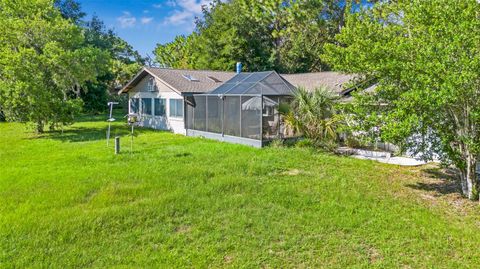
313	114
277	143
304	143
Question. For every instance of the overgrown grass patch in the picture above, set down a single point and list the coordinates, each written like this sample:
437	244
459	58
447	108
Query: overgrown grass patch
67	201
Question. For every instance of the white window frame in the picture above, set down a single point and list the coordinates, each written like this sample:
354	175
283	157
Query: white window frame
151	84
141	106
164	106
175	107
130	105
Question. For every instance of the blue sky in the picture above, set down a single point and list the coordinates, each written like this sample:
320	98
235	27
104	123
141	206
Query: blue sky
143	24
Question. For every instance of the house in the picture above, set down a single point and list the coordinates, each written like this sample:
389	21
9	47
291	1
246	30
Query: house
157	95
166	99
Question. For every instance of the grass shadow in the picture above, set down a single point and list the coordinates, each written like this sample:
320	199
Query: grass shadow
445	181
83	134
101	117
99	132
184	154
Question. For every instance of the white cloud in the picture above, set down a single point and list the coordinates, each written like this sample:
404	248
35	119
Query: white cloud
127	20
171	3
146	11
186	11
157	5
146	20
179	17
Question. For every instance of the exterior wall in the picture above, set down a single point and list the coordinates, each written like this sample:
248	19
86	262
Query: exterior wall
166	122
226	138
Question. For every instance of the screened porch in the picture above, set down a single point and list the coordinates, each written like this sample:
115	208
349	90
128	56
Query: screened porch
243	110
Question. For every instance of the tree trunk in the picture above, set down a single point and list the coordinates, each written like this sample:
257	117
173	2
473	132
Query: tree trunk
39	127
470	183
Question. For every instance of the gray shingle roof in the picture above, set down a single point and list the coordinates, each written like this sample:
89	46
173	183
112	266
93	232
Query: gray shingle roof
176	79
332	80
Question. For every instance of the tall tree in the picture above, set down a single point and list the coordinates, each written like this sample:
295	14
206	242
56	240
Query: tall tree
176	54
426	58
224	39
70	9
287	36
123	63
302	31
42	60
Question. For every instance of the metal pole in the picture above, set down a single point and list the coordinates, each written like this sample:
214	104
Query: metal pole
117	144
206	113
185	104
109	123
240	121
223	116
131	141
278	117
108	132
261	120
110	119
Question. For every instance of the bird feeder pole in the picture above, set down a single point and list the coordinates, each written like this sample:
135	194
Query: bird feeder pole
110	119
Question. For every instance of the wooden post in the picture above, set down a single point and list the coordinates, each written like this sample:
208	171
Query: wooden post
117	144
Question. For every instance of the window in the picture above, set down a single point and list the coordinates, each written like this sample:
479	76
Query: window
159	107
268	111
134	105
151	85
270	106
176	108
146	106
190	77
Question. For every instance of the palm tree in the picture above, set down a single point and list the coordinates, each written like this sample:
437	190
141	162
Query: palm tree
313	115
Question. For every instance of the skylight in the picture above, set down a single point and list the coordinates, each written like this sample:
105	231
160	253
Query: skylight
214	79
190	77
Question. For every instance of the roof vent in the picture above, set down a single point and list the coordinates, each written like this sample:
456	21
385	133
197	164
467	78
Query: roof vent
239	67
190	77
214	79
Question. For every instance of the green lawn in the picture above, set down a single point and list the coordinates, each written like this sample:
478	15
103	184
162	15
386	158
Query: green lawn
67	201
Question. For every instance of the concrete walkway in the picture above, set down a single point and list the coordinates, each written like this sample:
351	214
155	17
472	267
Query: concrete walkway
403	161
379	156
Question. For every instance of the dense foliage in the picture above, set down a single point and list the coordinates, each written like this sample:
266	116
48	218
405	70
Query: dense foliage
426	58
313	114
53	64
287	36
43	58
123	61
